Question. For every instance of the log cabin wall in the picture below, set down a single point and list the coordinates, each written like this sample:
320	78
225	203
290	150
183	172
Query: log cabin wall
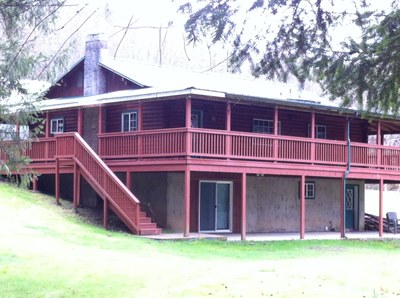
214	113
243	115
175	109
70	119
113	113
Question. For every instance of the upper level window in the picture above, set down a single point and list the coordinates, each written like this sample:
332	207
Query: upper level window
265	126
129	121
320	131
57	125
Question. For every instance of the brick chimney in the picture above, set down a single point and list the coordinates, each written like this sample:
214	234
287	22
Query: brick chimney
94	76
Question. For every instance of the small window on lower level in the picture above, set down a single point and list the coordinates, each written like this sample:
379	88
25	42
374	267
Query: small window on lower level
309	190
265	126
129	121
57	125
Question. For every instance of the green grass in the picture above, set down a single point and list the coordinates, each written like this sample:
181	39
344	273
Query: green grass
49	251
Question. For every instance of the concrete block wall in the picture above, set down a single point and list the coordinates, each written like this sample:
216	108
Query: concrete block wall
273	204
161	196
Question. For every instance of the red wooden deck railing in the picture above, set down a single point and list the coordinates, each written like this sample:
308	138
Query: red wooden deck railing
105	182
219	144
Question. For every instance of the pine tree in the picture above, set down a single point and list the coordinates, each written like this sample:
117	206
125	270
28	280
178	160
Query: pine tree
22	22
350	48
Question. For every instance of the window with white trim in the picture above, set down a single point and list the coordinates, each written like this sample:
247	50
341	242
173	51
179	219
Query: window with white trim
320	131
265	126
129	121
57	125
309	190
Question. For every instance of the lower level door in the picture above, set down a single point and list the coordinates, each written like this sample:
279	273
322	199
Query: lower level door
351	205
215	206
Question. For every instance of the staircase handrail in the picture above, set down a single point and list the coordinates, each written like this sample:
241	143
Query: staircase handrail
67	152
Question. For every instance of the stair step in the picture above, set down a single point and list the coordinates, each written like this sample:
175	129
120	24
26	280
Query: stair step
155	231
149	225
143	220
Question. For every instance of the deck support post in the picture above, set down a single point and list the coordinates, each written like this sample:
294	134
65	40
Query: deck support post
188	124
80	121
78	187
186	230
75	192
244	208
276	132
302	206
312	133
35	184
342	198
57	182
47	132
228	140
379	143
128	180
105	217
380	208
100	130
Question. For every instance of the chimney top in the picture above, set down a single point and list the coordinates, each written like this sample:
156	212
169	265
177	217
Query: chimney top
95	37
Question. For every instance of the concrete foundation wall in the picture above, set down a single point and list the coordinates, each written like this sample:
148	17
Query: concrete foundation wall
175	201
273	204
151	189
161	196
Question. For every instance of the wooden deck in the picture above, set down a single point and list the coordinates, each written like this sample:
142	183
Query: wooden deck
172	148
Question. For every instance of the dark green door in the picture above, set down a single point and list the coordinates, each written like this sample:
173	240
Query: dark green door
215	206
351	207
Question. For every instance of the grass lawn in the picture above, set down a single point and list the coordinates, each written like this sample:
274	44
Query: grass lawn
47	251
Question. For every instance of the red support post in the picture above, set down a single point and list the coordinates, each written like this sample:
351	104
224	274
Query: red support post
47	130
35	184
80	121
379	143
78	188
188	124
244	207
75	196
302	206
342	198
276	132
228	140
140	117
100	130
140	127
57	182
105	216
312	131
380	208
128	180
187	204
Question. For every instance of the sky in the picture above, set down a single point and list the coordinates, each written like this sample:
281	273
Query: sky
148	43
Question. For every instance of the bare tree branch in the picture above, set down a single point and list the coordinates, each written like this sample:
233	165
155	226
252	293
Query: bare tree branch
123	36
31	33
63	44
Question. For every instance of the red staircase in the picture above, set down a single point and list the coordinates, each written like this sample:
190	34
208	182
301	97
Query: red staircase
107	185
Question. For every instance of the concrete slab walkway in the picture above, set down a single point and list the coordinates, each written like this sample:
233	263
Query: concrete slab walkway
274	236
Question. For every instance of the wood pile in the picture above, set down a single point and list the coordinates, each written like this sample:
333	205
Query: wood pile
372	224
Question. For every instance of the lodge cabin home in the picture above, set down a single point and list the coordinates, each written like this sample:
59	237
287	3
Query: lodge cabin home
208	155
